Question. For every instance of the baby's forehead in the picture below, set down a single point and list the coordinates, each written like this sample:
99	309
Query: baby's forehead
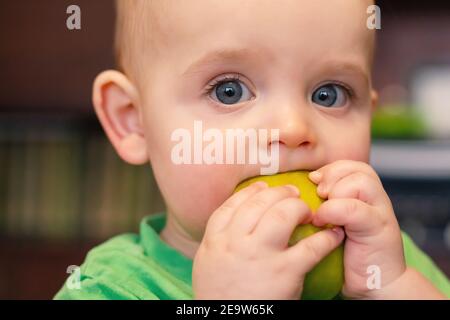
173	28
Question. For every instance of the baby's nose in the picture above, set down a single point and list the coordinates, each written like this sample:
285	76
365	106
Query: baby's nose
295	127
293	138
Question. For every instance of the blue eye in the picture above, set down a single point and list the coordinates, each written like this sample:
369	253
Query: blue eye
230	91
330	95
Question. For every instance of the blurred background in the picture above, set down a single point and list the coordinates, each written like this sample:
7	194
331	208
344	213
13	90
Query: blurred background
63	190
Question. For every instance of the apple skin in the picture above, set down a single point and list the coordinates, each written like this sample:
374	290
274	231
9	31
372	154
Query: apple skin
325	281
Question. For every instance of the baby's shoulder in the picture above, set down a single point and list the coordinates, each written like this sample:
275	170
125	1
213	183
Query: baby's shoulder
111	270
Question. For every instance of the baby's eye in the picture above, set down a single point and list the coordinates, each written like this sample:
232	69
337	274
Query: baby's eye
330	95
230	92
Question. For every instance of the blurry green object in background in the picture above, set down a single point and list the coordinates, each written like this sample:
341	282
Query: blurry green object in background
398	122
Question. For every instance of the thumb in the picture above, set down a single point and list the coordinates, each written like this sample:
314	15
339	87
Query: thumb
310	251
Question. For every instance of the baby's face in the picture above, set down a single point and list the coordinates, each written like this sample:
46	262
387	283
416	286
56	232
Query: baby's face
302	67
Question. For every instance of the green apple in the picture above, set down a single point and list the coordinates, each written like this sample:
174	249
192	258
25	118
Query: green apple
326	279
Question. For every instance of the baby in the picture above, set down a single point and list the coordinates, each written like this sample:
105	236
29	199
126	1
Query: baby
300	66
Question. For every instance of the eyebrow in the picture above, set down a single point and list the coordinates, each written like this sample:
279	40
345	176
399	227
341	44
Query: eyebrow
234	54
349	67
220	56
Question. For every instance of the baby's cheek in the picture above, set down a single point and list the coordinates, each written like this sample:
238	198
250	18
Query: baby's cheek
359	152
197	192
350	145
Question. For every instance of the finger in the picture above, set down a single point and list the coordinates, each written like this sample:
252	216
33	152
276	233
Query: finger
249	213
308	252
360	186
277	224
221	217
356	216
329	174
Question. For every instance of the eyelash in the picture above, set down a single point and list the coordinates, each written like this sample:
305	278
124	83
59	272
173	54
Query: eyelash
220	81
350	92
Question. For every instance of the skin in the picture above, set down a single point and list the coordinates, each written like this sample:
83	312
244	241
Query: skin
289	54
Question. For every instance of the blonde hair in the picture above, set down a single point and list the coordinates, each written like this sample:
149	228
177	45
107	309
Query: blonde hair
136	21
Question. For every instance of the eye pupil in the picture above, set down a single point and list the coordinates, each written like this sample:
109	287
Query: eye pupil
229	91
323	96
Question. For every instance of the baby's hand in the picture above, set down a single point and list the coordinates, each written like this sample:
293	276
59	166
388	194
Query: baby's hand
357	201
244	253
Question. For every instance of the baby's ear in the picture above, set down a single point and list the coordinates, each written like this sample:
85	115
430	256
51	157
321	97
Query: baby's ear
374	99
115	100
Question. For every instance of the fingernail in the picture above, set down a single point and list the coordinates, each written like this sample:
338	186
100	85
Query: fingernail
338	231
315	176
321	188
293	188
261	184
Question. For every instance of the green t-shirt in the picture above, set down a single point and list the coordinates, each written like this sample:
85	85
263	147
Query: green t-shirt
132	266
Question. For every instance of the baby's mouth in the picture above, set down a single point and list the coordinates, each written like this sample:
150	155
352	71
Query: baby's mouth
281	172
